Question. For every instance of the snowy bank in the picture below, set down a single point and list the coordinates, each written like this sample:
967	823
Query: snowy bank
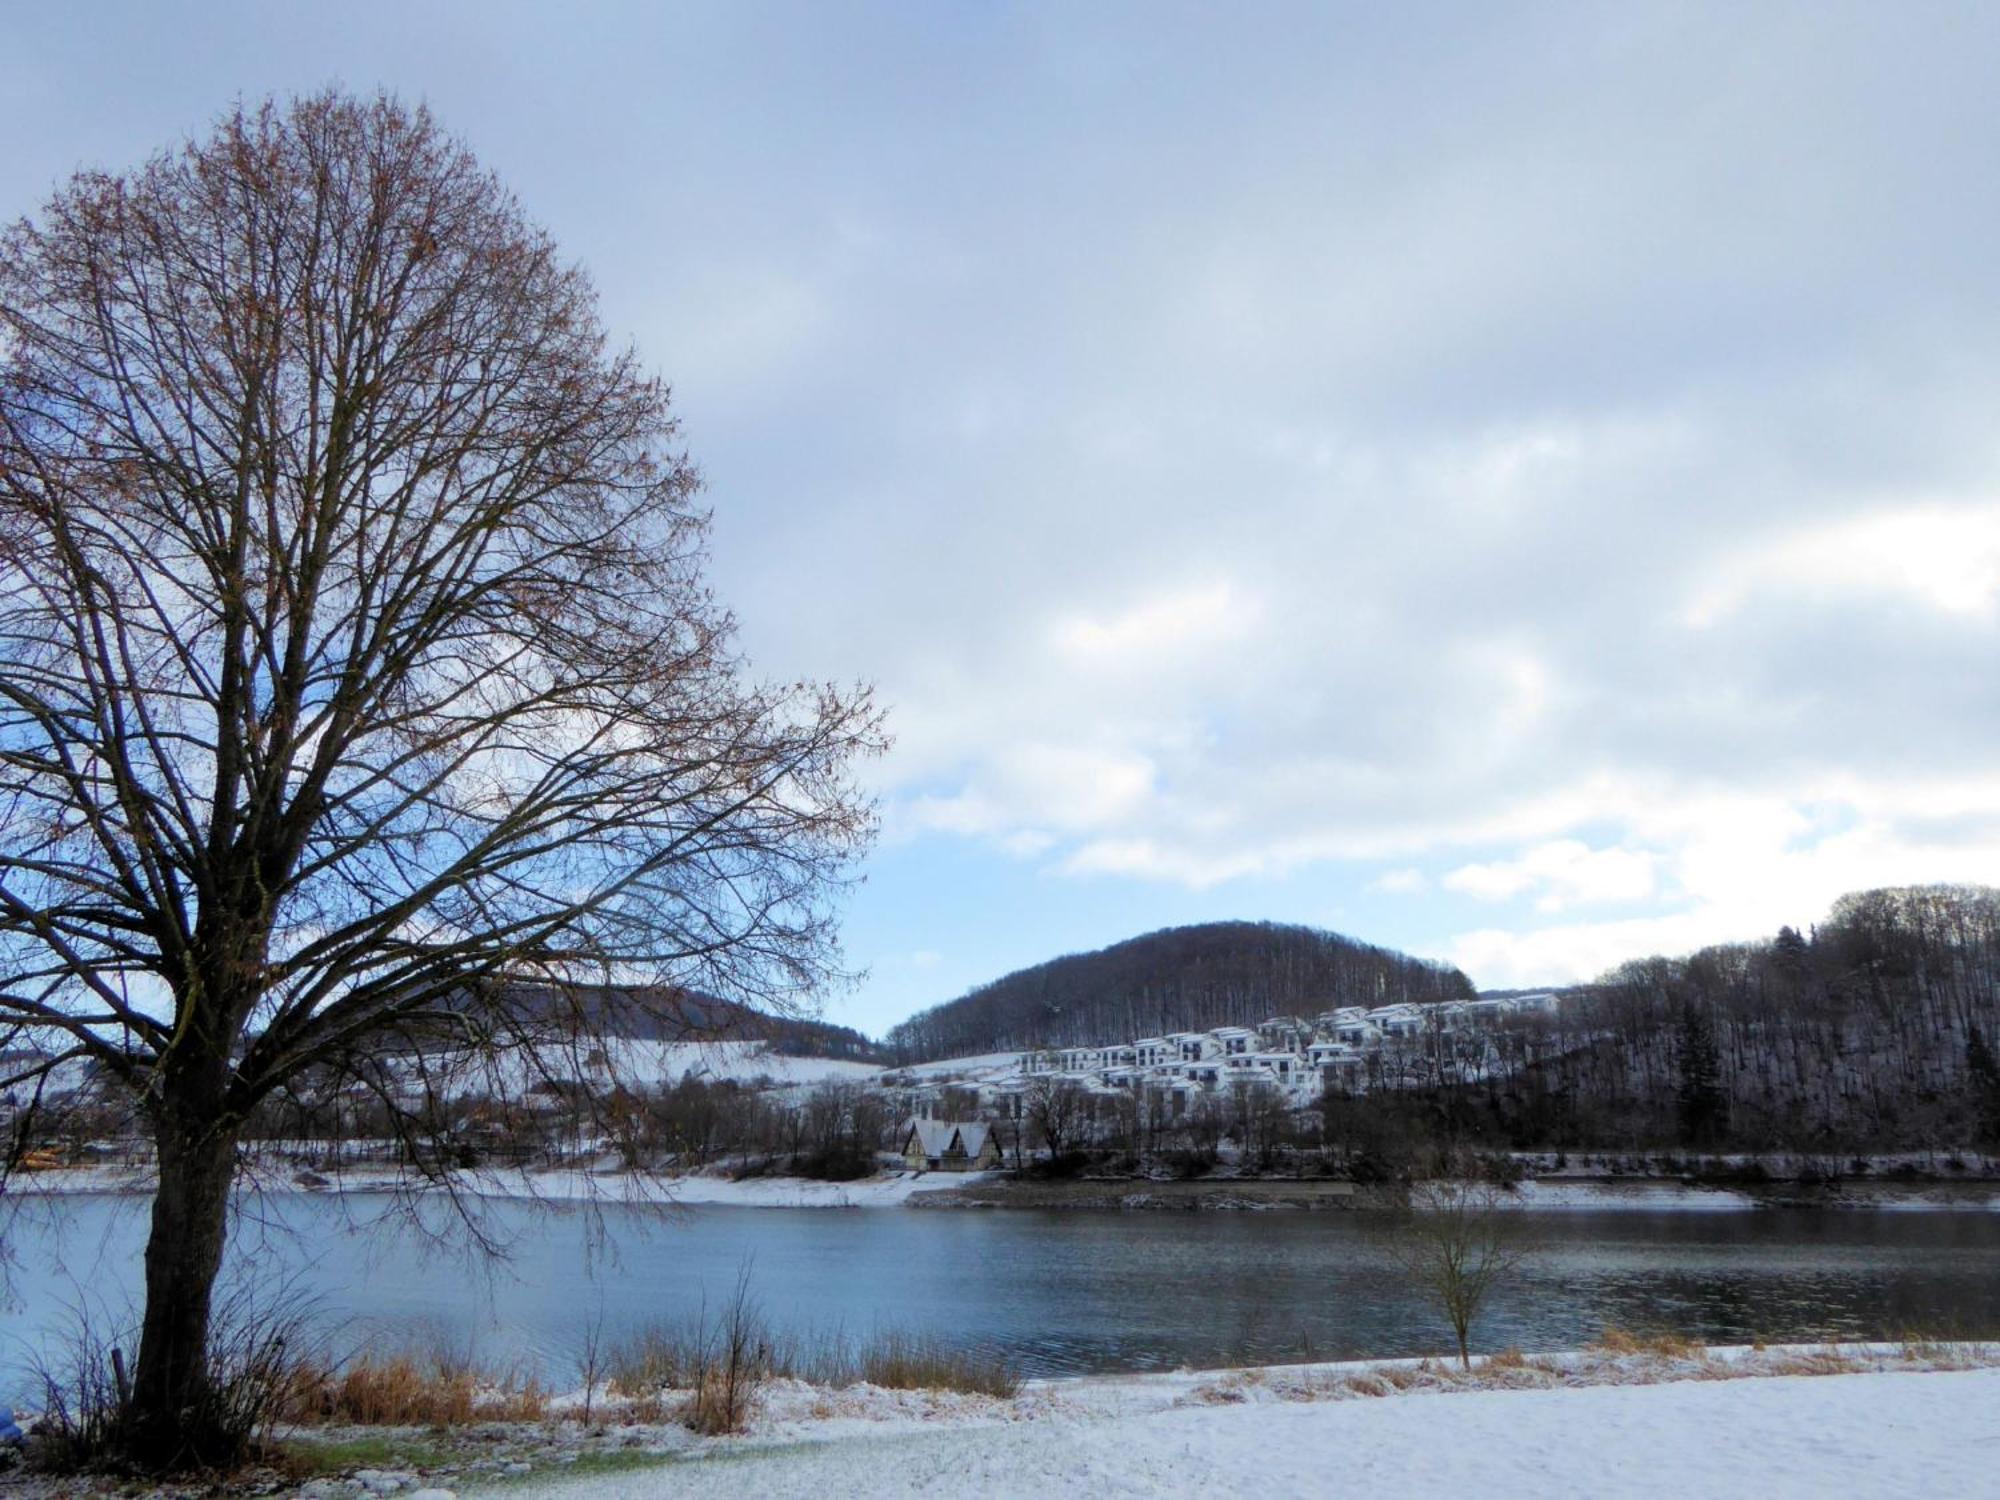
555	1185
1656	1197
604	1181
1884	1432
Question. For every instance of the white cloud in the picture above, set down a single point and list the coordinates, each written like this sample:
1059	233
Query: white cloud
1404	882
1067	788
1159	630
1738	867
1943	556
1563	872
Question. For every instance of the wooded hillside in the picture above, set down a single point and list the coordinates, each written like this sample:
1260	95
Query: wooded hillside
1875	1029
1177	979
684	1015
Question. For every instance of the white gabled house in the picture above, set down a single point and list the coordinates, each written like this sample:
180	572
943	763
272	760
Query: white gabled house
1338	1065
1284	1034
1401	1020
950	1146
1285	1067
1357	1031
1196	1046
1235	1041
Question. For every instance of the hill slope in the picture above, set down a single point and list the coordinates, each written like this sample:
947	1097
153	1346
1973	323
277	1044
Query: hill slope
666	1014
1177	979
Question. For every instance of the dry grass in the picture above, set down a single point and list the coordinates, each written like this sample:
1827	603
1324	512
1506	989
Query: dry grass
677	1359
405	1390
721	1403
1944	1348
1403	1377
1221	1393
1812	1362
1616	1340
905	1362
654	1360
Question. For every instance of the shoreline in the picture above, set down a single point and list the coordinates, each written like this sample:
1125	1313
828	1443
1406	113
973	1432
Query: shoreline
1000	1191
1251	1430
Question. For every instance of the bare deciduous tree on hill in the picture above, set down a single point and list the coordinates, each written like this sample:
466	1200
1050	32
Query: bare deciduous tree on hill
357	665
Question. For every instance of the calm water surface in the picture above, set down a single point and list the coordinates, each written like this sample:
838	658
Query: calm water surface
1056	1292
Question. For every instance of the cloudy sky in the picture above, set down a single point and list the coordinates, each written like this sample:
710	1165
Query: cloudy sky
1519	484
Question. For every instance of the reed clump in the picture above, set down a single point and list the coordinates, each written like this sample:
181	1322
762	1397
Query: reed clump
1616	1340
686	1358
415	1390
911	1362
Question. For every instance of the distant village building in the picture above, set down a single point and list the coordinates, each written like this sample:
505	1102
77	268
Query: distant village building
1196	1046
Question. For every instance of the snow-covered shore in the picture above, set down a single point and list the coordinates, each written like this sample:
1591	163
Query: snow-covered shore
605	1184
560	1185
1860	1436
1620	1420
1901	1197
1639	1418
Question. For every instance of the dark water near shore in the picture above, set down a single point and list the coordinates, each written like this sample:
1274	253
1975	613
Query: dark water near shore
1055	1292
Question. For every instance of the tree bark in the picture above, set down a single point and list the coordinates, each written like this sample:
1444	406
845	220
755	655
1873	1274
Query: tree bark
171	1422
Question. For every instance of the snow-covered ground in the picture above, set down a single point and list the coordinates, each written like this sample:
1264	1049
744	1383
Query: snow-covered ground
572	1185
981	1066
1859	1436
889	1191
1655	1197
1650	1196
606	1183
639	1063
609	1185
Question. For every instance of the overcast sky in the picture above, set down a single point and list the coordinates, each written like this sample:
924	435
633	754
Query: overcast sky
1520	485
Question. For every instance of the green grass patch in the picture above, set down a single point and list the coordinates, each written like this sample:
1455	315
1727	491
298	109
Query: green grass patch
313	1456
600	1462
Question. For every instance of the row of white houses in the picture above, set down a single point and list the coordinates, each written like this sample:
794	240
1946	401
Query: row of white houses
1298	1057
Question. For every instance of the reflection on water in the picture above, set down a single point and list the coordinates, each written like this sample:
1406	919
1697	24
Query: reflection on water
1055	1292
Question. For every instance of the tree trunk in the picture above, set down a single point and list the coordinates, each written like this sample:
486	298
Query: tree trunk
171	1422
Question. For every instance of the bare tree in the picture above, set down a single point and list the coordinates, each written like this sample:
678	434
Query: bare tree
1057	1110
1460	1242
357	666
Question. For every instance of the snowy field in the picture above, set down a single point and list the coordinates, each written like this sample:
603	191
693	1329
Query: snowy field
1857	1436
641	1063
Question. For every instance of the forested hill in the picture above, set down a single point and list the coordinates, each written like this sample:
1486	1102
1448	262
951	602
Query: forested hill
1874	1031
663	1013
1178	979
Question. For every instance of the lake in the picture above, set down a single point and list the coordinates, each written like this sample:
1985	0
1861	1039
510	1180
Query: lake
1055	1292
